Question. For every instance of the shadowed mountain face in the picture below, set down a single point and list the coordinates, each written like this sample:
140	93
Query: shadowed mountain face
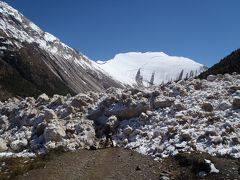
229	64
33	61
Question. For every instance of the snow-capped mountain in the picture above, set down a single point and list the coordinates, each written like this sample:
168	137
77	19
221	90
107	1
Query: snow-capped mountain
41	61
136	68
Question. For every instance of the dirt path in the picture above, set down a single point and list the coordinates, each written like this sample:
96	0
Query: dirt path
112	163
118	163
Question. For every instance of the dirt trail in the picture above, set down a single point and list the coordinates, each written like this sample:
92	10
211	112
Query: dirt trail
112	163
118	163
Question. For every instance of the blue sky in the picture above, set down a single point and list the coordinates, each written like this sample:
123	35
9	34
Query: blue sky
203	30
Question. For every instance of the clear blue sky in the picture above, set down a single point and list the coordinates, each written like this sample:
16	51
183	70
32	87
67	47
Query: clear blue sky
204	30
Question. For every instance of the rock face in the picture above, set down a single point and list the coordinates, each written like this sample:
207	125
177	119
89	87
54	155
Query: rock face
33	62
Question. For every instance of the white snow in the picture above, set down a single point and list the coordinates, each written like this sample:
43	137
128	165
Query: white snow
124	67
212	166
20	154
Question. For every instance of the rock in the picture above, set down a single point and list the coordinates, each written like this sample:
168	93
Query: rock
178	106
128	130
43	98
236	103
198	85
219	76
211	78
162	177
237	93
163	103
143	117
4	122
49	114
54	133
233	89
210	132
224	106
180	116
3	145
57	101
235	140
185	136
81	100
207	107
94	96
127	112
67	111
227	77
138	168
216	140
19	145
40	128
156	134
155	93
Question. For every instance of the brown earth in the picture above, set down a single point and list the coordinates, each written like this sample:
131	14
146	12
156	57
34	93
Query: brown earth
118	163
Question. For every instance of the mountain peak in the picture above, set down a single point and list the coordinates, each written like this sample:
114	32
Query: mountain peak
38	60
150	66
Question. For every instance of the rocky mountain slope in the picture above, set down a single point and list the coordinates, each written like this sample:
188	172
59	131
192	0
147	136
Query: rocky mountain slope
229	64
33	61
150	68
161	121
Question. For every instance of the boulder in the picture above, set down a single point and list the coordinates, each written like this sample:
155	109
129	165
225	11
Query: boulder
216	140
163	102
57	101
227	77
206	106
235	140
128	130
143	117
211	78
178	106
54	133
236	103
3	145
4	122
185	136
127	112
233	89
43	98
224	106
19	144
81	100
49	114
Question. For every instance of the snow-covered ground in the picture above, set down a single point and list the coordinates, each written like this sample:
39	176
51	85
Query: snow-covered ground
160	121
153	67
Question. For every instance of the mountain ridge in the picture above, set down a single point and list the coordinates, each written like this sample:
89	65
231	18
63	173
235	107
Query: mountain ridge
71	70
229	64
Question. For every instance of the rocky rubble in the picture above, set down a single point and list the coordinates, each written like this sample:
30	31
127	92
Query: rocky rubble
192	115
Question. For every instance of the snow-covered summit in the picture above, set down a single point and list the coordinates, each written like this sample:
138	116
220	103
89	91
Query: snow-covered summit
151	67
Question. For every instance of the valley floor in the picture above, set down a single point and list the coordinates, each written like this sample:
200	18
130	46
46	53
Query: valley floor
118	163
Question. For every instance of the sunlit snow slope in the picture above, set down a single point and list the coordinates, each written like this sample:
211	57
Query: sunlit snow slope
150	68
